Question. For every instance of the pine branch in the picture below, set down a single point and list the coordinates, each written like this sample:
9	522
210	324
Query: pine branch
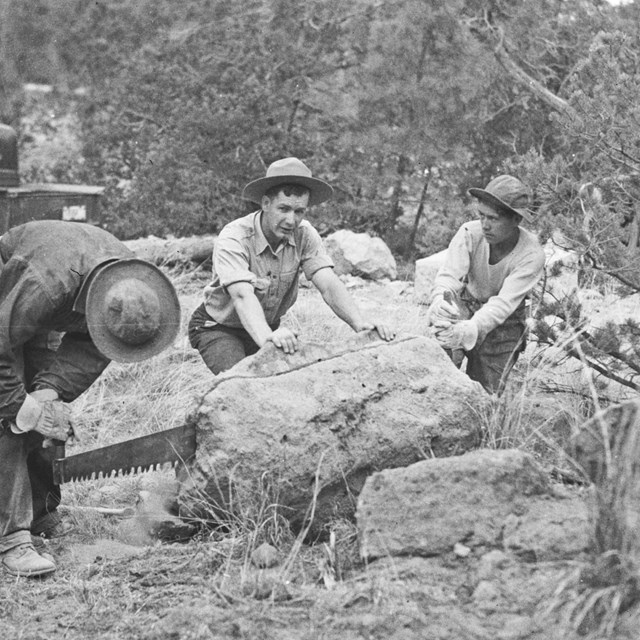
600	368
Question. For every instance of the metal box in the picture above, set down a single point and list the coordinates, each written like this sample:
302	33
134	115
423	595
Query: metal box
23	203
49	202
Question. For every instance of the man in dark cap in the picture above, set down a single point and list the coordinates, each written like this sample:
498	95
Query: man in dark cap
256	263
478	298
72	298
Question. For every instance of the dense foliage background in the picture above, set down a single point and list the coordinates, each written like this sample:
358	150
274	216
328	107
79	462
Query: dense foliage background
401	104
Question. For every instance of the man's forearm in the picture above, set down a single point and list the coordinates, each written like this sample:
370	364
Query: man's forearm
342	304
252	317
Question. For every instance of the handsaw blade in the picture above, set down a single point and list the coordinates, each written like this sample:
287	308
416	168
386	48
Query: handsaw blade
131	456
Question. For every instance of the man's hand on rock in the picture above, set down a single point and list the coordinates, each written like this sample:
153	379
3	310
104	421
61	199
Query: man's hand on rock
385	332
285	338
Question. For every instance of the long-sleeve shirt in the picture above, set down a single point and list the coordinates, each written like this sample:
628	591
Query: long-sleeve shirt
42	267
501	287
242	254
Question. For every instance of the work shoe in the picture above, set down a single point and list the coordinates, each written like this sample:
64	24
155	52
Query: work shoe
25	561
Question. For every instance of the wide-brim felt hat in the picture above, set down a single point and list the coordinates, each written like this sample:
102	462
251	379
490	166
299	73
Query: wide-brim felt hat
507	193
132	310
288	171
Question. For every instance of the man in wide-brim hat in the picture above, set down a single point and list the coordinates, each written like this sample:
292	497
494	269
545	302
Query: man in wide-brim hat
72	298
478	298
256	263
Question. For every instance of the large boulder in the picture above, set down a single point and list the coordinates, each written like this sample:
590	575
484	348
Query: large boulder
359	254
305	431
484	498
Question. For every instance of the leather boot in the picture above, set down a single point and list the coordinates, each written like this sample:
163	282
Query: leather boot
24	560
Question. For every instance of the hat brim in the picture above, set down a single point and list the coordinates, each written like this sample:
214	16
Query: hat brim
319	190
489	198
105	341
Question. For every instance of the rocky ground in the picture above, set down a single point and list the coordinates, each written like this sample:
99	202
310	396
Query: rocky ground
115	580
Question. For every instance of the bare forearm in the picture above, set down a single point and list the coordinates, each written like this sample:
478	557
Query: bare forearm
342	304
252	317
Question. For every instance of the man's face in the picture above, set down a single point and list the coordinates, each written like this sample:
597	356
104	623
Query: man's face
497	227
281	216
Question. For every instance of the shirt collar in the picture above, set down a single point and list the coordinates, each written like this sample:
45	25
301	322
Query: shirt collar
261	241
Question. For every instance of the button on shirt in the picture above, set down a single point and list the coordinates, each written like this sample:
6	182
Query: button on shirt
42	266
242	254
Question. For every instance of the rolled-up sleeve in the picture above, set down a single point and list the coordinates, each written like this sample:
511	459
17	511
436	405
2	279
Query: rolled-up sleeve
231	261
313	254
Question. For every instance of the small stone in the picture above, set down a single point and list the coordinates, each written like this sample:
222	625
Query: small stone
265	556
461	550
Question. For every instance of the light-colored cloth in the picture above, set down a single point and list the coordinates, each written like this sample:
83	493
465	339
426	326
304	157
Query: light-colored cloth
242	254
500	288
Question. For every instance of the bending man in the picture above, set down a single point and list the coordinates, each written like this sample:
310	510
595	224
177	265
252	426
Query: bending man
72	298
478	298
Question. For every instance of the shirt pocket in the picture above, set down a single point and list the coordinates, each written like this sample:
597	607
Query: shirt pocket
285	281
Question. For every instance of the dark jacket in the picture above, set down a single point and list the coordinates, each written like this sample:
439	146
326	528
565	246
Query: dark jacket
42	267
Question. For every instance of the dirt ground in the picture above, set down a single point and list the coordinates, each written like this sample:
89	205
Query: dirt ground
115	581
105	588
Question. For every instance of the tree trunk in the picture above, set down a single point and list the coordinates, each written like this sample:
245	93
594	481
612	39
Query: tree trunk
408	250
396	210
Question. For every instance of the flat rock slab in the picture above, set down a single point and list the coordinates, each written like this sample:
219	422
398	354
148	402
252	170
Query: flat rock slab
305	431
428	507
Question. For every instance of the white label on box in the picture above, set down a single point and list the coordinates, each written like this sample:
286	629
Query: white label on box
75	212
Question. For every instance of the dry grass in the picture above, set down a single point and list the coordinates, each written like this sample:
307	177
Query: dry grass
138	591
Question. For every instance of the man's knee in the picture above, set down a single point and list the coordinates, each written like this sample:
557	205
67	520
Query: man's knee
219	350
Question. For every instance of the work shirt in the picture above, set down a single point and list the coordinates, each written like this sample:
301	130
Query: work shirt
242	254
42	267
501	287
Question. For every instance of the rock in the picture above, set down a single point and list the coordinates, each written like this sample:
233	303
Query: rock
460	550
361	255
425	508
266	584
265	556
426	270
550	529
336	412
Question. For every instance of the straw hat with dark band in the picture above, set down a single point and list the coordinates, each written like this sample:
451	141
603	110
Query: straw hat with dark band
288	171
132	310
507	193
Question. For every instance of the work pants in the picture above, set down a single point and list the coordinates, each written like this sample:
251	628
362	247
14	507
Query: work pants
220	346
491	361
28	496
